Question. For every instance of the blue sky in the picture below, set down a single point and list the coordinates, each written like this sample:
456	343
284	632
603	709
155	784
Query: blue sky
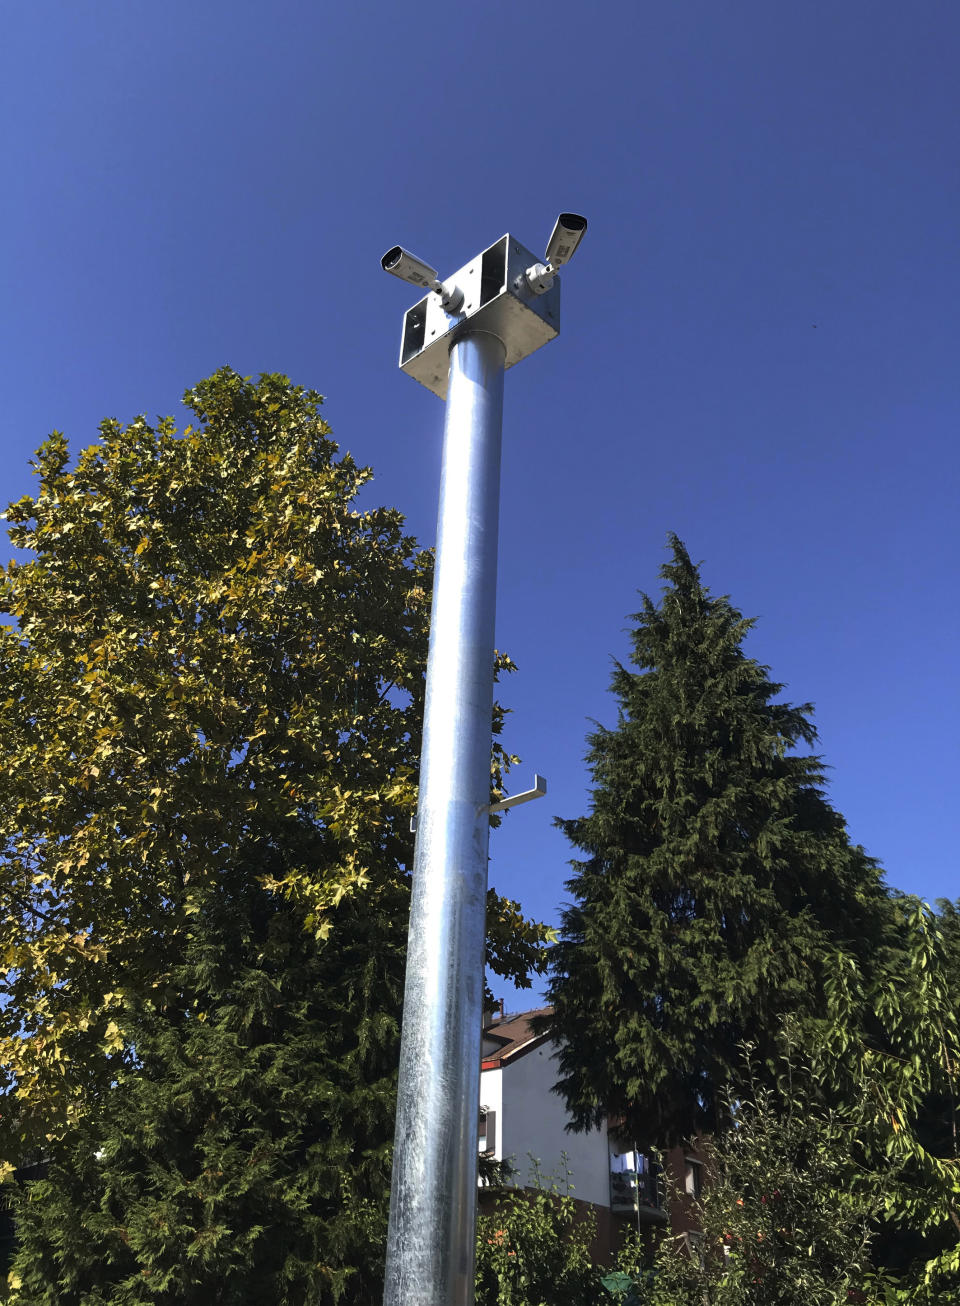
759	332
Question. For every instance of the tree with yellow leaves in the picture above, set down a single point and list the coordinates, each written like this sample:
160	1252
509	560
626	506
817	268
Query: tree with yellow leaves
216	663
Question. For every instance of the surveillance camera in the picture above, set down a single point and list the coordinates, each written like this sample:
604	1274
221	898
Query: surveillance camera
564	239
566	236
399	262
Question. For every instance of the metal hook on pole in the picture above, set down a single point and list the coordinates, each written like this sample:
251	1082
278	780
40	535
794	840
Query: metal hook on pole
504	804
514	800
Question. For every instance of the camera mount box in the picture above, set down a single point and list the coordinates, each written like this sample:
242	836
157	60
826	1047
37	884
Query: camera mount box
497	298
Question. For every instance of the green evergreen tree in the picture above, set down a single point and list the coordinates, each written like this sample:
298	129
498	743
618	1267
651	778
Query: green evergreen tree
713	876
245	1153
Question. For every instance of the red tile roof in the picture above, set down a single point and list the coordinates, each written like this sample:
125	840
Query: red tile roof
514	1035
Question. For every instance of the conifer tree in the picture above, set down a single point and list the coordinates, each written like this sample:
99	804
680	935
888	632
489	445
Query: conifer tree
244	1155
713	876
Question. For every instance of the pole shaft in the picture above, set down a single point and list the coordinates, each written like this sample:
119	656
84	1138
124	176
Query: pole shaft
432	1234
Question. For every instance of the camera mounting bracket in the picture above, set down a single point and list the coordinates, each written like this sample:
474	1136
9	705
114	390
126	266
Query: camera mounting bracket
497	299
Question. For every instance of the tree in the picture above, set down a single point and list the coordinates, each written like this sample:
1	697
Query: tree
714	875
246	1155
214	691
216	657
246	1152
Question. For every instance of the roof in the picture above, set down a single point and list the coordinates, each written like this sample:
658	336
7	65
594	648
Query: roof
510	1037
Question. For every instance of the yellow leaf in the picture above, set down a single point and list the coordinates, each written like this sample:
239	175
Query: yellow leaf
112	1039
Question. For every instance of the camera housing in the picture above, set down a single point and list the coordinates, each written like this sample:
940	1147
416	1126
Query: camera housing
399	262
568	231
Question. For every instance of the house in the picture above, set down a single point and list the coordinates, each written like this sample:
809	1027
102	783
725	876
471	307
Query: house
522	1118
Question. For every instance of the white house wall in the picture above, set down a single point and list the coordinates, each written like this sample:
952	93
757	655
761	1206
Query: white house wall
531	1120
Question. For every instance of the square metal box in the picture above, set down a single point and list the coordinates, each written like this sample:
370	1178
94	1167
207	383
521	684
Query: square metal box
496	298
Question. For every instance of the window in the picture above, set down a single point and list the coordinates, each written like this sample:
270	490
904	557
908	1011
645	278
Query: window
693	1178
488	1130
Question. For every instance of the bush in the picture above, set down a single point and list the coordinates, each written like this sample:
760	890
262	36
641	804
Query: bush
785	1220
533	1249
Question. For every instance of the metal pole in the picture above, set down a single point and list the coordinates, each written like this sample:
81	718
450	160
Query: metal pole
431	1240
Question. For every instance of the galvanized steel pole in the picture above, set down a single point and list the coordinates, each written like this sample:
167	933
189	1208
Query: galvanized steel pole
457	341
431	1241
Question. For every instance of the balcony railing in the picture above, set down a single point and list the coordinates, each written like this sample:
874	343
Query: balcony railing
639	1192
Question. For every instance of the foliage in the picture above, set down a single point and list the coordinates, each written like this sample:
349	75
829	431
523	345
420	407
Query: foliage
206	638
889	1047
857	1201
785	1220
533	1248
713	874
214	688
248	1158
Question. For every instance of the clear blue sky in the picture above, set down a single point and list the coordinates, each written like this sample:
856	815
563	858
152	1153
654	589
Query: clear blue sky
759	346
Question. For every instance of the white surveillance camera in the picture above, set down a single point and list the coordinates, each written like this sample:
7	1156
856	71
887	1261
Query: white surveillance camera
566	236
399	262
564	239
